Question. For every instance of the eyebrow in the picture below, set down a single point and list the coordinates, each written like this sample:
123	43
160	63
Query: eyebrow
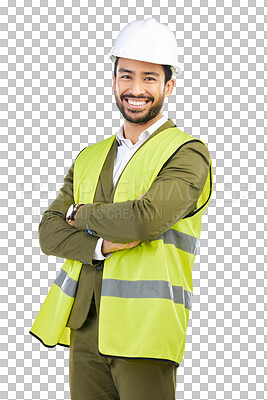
144	73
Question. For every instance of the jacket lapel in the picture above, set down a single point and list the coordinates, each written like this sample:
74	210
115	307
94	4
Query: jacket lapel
105	182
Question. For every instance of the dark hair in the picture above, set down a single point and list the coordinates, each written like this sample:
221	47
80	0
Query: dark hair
167	70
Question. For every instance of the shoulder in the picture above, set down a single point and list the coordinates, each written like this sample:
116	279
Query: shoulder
194	152
82	151
95	148
195	146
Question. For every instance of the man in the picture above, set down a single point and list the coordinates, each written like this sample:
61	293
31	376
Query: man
128	221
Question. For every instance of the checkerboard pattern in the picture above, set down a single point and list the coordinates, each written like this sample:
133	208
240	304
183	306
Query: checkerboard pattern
56	98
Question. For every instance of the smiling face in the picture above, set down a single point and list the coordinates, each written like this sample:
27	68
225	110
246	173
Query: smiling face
140	89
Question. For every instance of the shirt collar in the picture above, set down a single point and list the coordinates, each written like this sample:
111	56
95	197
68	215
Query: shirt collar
147	132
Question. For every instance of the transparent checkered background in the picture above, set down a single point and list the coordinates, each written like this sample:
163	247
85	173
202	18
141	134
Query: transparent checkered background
56	98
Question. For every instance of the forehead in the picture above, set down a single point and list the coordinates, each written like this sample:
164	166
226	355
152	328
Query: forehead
137	66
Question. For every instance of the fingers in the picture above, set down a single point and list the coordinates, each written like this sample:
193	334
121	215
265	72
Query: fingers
133	244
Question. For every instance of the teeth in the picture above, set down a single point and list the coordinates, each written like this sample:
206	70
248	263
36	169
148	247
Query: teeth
136	103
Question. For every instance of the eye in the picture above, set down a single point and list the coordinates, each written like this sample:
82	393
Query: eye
128	76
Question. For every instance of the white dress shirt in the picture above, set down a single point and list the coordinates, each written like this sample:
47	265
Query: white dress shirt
125	151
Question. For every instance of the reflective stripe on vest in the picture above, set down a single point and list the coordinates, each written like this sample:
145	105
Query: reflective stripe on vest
66	283
180	240
146	289
131	289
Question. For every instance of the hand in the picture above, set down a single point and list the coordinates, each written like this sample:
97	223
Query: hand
108	246
72	223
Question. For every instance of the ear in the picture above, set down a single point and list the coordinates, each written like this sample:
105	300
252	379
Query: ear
169	87
113	83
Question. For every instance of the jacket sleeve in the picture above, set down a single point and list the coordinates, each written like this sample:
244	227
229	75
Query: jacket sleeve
58	238
172	195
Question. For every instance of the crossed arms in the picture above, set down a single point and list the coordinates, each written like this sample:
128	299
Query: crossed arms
172	195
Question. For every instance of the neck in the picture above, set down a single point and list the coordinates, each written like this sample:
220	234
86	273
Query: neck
133	131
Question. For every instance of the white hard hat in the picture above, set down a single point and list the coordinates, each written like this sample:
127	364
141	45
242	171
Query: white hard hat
147	40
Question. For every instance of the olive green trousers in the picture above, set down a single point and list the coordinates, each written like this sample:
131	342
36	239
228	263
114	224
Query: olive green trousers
92	376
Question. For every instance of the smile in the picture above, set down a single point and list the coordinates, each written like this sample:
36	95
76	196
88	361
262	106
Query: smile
136	104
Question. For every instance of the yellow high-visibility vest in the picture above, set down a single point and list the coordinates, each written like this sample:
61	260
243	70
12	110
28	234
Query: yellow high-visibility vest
146	294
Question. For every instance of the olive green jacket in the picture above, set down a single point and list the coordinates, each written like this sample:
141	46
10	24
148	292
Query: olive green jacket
172	196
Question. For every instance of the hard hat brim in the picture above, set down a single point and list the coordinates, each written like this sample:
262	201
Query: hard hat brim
176	69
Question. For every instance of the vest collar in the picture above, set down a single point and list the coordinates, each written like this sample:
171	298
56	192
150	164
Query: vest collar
168	124
106	191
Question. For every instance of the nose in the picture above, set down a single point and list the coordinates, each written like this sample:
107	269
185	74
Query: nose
137	87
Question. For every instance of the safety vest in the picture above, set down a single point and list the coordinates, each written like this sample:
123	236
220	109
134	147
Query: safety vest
146	293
